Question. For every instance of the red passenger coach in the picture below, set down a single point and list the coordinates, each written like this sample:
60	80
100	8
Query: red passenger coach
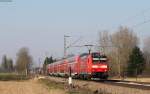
84	66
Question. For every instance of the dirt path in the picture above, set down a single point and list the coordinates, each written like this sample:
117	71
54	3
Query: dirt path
25	87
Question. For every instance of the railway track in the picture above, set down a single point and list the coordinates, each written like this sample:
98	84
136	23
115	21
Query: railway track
109	86
121	83
130	84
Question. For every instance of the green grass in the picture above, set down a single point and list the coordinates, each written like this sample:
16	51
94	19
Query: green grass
12	76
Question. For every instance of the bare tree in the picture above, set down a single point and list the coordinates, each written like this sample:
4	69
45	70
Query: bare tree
146	50
108	49
118	46
104	41
125	40
24	61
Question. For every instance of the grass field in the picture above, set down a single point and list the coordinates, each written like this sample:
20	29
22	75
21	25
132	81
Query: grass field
24	87
12	76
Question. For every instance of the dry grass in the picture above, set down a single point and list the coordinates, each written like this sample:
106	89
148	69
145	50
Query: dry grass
65	87
36	87
26	87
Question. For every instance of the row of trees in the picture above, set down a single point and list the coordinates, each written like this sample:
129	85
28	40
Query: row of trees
7	64
48	60
23	63
122	47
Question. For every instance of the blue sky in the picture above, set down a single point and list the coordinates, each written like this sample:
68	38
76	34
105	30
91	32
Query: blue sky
41	24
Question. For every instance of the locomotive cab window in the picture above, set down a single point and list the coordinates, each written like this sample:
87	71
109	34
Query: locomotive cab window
97	58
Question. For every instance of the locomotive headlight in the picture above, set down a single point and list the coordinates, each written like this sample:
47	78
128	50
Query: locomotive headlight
94	66
103	66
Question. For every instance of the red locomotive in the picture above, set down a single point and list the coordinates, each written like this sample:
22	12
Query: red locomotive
84	66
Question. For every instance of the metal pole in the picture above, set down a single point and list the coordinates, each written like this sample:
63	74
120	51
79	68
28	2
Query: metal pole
89	51
70	71
136	73
65	54
65	45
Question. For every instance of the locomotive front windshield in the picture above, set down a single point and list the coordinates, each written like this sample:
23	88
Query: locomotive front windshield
97	58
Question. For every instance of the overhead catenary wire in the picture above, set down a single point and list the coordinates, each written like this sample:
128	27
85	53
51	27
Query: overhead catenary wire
140	24
80	38
129	19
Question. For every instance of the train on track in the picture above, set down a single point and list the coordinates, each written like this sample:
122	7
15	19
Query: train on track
83	66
